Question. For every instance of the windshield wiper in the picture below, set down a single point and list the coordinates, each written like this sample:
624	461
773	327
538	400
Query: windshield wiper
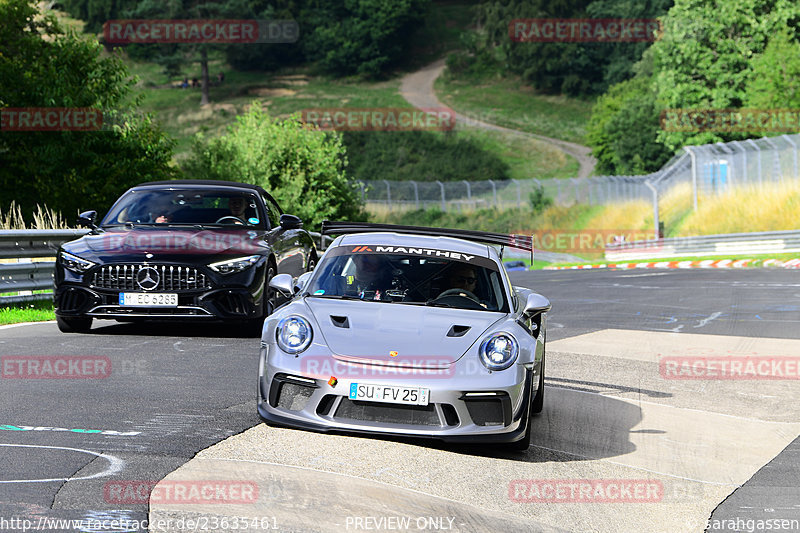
339	297
434	303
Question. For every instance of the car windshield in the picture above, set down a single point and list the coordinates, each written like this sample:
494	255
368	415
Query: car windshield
185	206
449	280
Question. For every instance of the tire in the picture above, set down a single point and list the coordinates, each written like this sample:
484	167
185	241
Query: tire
537	405
312	263
270	297
78	324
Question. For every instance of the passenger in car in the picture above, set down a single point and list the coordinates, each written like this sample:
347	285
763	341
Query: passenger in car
372	275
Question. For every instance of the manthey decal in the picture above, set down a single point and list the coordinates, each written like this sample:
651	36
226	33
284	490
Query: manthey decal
430	252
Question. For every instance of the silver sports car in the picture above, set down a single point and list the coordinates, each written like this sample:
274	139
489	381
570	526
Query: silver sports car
407	331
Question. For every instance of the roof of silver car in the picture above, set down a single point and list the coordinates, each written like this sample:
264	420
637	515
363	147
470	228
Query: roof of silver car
523	242
413	241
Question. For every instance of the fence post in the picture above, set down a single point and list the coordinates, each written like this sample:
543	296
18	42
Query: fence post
444	205
694	174
388	195
494	192
416	194
794	154
519	194
776	161
655	206
738	145
752	143
361	183
469	192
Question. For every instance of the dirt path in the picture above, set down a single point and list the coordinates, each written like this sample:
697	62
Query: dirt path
417	89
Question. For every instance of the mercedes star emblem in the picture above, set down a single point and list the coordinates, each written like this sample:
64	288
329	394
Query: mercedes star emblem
147	278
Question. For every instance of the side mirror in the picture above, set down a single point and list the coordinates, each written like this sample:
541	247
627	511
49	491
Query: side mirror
302	281
87	219
536	303
282	283
291	222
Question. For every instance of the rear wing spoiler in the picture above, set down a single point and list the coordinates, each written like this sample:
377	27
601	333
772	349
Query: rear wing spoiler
521	242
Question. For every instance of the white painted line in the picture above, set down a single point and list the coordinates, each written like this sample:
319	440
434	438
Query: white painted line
8	326
649	346
115	464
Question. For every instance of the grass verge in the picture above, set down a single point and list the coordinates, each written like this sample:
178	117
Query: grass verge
757	260
38	311
509	102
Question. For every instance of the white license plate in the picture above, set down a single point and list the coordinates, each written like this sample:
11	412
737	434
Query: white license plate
148	299
389	394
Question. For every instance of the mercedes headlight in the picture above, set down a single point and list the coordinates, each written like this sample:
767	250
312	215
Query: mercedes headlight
499	351
294	334
231	266
75	263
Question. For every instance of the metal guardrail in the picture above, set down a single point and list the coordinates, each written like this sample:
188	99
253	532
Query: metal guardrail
25	275
708	245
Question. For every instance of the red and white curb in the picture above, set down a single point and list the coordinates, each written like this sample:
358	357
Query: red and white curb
708	263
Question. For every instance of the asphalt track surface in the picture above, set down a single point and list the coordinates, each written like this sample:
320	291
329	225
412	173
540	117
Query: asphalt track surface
181	400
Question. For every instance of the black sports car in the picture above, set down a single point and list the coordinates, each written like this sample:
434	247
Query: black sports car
182	249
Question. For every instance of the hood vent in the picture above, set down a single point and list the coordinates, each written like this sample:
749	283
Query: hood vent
458	331
340	321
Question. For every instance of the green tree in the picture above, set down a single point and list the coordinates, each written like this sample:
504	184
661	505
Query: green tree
624	127
174	57
303	168
41	66
364	37
706	56
572	68
775	82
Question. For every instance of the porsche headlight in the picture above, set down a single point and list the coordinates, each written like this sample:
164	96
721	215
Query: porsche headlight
75	263
231	266
499	351
294	334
